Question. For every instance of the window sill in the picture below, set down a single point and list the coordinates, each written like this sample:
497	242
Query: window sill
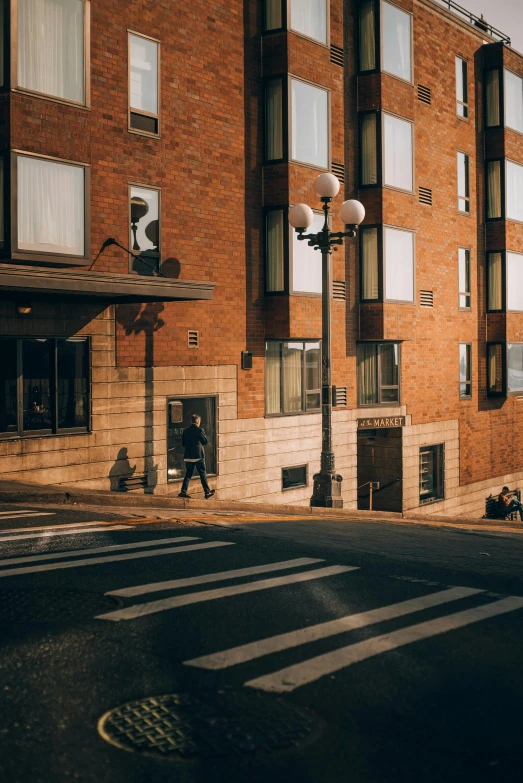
194	475
309	38
136	132
294	413
399	78
43	435
397	189
51	98
465	214
38	258
430	501
314	166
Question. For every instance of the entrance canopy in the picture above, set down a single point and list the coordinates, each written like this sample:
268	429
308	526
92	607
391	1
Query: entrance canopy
66	285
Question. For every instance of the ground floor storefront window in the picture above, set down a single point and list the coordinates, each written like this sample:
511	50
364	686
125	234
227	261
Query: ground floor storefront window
44	386
179	411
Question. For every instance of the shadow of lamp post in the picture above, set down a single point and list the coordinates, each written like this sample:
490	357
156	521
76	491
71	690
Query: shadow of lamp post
139	209
327	483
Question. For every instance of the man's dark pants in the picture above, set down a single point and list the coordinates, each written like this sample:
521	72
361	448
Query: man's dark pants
514	505
189	469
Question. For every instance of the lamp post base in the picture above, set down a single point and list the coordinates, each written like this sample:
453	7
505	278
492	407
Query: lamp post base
327	491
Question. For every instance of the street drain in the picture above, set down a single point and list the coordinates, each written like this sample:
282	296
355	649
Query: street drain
29	605
209	725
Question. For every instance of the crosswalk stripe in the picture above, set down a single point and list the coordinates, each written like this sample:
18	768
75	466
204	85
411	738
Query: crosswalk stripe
113	558
54	527
24	511
93	550
303	673
155	587
140	610
285	641
49	534
26	515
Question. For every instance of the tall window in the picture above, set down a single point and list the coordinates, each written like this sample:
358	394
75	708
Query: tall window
44	386
274	119
463	183
275	250
179	413
306	261
292	376
465	370
513	99
515	368
143	84
51	51
514	262
369	263
431	473
309	17
513	191
495	371
398	251
309	124
464	278
144	229
396	41
397	152
494	206
368	148
462	88
492	99
367	35
494	281
50	207
378	367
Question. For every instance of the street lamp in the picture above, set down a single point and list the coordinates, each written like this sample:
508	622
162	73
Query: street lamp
327	483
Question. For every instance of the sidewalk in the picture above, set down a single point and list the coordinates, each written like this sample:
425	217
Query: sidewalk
231	512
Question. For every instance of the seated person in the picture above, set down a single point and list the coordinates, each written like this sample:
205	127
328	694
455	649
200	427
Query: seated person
507	504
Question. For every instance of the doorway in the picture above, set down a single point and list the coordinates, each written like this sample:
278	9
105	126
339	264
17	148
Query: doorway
380	460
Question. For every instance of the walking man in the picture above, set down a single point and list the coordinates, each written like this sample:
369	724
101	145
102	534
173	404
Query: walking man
193	441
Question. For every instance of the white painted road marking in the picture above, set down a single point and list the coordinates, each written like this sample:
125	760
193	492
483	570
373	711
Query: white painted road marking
172	584
286	641
140	610
24	514
113	558
303	673
72	525
50	534
94	550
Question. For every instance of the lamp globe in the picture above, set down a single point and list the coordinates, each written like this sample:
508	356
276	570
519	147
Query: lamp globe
327	185
352	212
301	216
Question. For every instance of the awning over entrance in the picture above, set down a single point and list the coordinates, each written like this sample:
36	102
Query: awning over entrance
65	285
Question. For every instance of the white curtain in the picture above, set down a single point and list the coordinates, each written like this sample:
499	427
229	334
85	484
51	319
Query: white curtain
513	101
292	368
492	98
50	207
274	251
397	152
143	74
494	189
369	263
272	377
464	277
367	36
495	292
367	373
369	158
515	367
310	18
273	120
463	182
310	124
399	264
515	281
306	262
396	45
51	47
495	368
273	18
514	191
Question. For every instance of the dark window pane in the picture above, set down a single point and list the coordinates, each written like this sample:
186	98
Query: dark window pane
367	372
389	364
144	123
72	384
431	467
36	370
294	477
8	378
205	407
495	369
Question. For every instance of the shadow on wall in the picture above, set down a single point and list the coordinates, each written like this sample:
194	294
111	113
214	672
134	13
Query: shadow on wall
121	469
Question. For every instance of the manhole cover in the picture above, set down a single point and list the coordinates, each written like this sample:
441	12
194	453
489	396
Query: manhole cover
37	605
208	725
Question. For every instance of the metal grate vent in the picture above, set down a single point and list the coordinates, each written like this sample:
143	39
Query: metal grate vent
192	339
424	94
132	482
340	397
339	289
339	170
425	196
426	298
337	55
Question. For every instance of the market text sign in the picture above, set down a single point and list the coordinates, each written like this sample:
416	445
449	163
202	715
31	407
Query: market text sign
378	423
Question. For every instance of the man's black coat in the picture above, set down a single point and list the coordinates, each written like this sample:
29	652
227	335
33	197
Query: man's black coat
193	440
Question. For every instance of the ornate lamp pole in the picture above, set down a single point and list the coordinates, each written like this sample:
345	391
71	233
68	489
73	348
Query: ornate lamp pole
327	483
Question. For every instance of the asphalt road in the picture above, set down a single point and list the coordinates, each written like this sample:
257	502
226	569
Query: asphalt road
429	690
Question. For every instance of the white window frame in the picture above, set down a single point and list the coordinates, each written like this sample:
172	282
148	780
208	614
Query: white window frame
407	13
384	251
325	43
132	110
383	155
314	166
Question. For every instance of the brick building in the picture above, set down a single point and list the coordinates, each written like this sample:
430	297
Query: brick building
182	134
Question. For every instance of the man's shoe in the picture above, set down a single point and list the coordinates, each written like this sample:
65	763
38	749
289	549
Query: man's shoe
210	494
183	495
